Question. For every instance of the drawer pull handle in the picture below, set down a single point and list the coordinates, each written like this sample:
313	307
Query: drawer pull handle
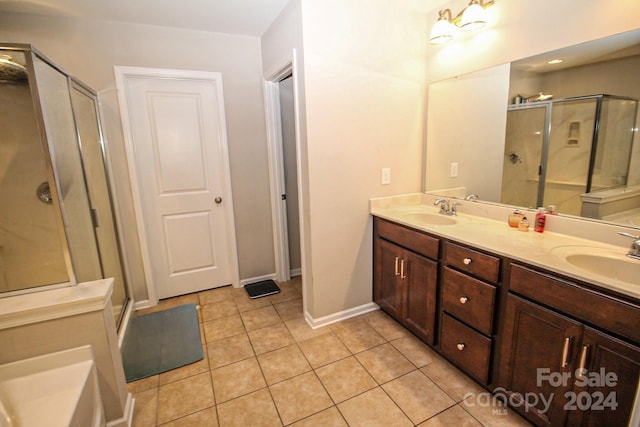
460	346
466	261
463	300
396	270
581	372
565	352
402	275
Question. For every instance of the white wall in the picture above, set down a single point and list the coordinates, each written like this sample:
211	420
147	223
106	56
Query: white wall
90	49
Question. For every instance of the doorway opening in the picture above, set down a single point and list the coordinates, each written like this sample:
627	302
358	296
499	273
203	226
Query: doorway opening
280	100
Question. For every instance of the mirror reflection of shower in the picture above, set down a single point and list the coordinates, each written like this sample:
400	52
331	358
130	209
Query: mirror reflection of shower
558	151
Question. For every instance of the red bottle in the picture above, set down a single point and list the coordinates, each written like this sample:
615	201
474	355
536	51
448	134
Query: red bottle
540	220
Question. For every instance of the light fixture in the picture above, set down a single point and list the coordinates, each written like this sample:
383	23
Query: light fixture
555	61
443	29
471	18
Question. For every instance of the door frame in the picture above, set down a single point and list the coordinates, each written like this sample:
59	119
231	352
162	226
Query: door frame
124	72
276	167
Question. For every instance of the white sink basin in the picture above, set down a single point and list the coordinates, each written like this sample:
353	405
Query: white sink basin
602	262
54	390
430	218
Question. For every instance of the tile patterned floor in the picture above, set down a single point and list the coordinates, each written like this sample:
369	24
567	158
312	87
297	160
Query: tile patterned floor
264	366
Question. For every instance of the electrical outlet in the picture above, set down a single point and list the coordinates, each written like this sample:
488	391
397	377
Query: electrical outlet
454	170
385	176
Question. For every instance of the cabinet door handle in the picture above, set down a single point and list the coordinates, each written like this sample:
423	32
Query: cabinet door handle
565	352
402	276
463	300
583	362
460	346
396	270
467	261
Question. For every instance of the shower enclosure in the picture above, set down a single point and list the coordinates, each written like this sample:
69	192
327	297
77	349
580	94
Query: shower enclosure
56	219
555	151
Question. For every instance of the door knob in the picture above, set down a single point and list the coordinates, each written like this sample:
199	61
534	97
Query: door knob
218	200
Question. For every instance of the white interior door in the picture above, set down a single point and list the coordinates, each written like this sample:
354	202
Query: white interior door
176	140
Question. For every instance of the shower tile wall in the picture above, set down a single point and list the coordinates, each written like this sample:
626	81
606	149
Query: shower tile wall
569	153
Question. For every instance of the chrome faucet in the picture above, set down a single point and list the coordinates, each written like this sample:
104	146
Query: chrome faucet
446	207
634	251
472	197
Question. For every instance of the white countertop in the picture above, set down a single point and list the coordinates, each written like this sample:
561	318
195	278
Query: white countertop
486	232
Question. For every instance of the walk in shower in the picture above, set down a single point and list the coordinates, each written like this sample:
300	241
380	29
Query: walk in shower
56	219
556	151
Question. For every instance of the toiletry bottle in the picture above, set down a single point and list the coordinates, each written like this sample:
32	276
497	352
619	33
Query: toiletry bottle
552	210
514	218
540	220
524	224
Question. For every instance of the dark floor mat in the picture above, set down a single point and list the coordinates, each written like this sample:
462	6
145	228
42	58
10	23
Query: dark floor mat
262	289
161	341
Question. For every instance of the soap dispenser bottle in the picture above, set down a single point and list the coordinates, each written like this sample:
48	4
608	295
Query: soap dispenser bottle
540	220
524	224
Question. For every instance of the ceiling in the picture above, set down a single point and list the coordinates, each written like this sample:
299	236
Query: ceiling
604	49
243	17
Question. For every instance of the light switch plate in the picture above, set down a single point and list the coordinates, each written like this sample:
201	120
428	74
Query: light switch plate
385	176
454	170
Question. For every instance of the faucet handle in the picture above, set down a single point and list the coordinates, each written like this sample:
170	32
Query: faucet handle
632	236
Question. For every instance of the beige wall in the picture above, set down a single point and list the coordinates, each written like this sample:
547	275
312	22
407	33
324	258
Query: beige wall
89	50
364	66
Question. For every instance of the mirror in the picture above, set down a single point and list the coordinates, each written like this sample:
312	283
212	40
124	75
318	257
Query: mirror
533	134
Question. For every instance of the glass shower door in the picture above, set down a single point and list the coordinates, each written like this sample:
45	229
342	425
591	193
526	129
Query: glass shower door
524	149
88	126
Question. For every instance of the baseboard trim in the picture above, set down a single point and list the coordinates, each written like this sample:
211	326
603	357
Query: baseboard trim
139	305
296	272
340	316
124	322
127	418
250	280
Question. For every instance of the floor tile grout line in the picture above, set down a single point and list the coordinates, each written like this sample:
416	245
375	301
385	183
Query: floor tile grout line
314	369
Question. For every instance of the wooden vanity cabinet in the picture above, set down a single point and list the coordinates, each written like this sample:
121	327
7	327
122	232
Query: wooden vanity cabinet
535	329
405	276
544	352
469	280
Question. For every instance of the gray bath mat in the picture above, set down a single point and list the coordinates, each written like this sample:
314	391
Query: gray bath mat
161	341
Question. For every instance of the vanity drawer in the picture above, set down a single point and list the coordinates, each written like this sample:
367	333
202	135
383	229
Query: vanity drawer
468	348
411	239
468	299
477	263
612	314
